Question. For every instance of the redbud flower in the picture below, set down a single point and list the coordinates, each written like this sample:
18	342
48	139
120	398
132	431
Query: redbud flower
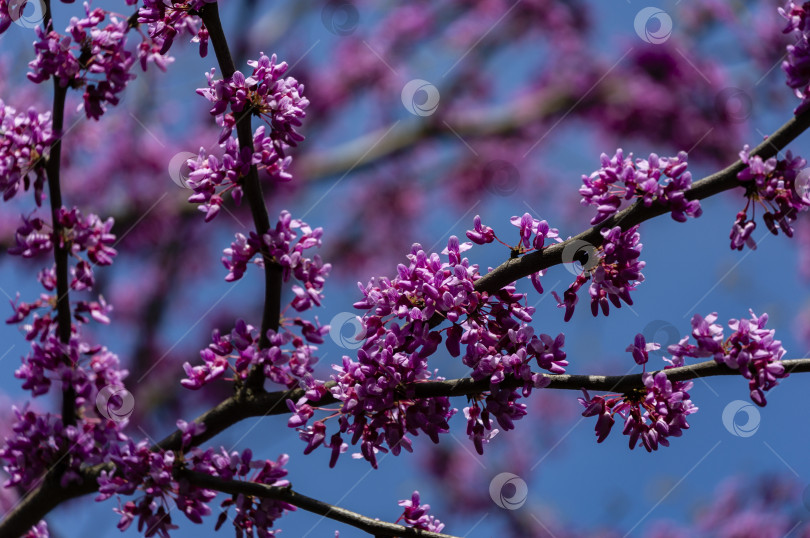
771	184
24	144
660	179
416	515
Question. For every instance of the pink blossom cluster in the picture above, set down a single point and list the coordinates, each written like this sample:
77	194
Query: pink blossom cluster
25	139
41	440
210	177
751	349
78	234
278	101
658	179
651	415
285	245
798	53
379	405
154	474
165	21
90	56
288	360
533	234
416	515
615	273
780	187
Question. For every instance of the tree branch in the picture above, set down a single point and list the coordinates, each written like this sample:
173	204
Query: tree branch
60	250
40	501
234	409
288	495
515	269
231	411
271	315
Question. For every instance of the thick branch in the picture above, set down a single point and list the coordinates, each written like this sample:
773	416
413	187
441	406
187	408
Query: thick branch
367	524
46	497
273	403
515	269
60	249
40	501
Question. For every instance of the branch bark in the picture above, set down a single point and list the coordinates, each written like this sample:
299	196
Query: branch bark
271	315
514	269
287	494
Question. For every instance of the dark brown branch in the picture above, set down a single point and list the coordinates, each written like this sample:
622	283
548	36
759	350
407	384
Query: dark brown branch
596	383
60	249
271	314
288	495
229	412
515	269
40	501
273	403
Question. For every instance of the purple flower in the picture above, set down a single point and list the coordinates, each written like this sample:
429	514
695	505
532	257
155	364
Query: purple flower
189	430
480	234
660	179
651	414
753	351
797	63
416	515
25	143
640	349
89	234
532	227
597	406
40	530
616	274
490	332
772	185
167	20
279	101
288	361
103	62
30	239
211	178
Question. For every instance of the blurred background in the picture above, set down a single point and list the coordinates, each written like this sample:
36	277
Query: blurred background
423	115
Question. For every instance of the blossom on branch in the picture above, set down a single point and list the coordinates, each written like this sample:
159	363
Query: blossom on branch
779	187
663	180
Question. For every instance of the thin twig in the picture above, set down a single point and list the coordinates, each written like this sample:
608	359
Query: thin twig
288	495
